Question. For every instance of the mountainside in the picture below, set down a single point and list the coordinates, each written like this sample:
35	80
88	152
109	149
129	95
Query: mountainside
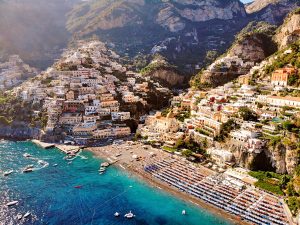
271	11
34	29
181	31
289	32
252	45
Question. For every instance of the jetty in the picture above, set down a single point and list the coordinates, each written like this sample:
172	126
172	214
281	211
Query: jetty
43	144
68	148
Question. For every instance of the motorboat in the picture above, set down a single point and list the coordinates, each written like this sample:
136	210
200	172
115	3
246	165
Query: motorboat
6	173
27	214
28	169
117	214
102	169
105	164
12	203
183	212
129	215
19	216
26	155
55	165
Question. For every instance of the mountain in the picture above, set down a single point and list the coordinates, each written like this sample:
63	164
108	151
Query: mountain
34	29
182	31
271	11
289	32
252	45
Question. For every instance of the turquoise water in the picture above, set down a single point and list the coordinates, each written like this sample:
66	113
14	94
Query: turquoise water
49	193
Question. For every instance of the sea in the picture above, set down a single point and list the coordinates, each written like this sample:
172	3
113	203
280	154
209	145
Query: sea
61	192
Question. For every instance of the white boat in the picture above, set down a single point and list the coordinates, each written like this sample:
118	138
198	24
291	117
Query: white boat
117	214
26	155
6	173
27	214
183	212
19	216
54	165
129	215
28	169
12	203
102	169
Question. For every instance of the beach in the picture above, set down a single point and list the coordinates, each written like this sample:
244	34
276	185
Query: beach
134	156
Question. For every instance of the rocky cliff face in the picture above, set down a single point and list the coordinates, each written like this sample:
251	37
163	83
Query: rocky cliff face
271	11
178	30
289	32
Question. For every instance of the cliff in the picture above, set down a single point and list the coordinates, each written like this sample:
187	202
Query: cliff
289	32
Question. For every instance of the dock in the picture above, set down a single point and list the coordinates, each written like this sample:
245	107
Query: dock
68	148
43	144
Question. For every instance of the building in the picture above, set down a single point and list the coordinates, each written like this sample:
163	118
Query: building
278	101
220	156
280	76
121	116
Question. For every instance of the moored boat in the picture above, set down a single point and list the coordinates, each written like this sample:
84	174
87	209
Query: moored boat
19	216
27	214
129	215
26	155
183	212
117	214
6	173
12	203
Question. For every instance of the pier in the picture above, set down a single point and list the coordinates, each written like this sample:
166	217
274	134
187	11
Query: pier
43	144
68	148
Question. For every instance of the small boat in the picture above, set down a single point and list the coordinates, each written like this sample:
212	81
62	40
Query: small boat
55	165
105	164
117	214
6	173
102	169
19	216
27	214
26	155
12	203
129	215
78	186
101	173
28	169
183	212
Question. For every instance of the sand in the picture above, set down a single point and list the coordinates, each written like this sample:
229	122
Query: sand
123	155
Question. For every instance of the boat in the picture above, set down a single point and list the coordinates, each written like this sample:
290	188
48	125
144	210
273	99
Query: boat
78	187
19	216
55	165
183	212
102	169
27	214
28	169
26	155
101	173
129	215
117	214
105	164
12	203
6	173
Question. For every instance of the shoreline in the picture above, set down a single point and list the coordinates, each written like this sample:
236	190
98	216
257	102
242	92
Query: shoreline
155	183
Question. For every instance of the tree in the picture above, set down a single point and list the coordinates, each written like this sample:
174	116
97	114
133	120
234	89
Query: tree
247	114
187	153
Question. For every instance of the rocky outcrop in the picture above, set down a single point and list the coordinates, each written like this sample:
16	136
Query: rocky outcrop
19	133
271	11
170	76
289	32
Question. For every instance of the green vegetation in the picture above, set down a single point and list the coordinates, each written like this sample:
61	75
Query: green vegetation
247	114
270	181
226	128
169	149
183	115
283	60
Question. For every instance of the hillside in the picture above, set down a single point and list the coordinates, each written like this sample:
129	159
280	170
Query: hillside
181	31
34	29
252	45
271	11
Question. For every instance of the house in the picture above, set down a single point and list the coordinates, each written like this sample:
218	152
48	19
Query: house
244	79
121	116
278	101
220	156
70	118
280	76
